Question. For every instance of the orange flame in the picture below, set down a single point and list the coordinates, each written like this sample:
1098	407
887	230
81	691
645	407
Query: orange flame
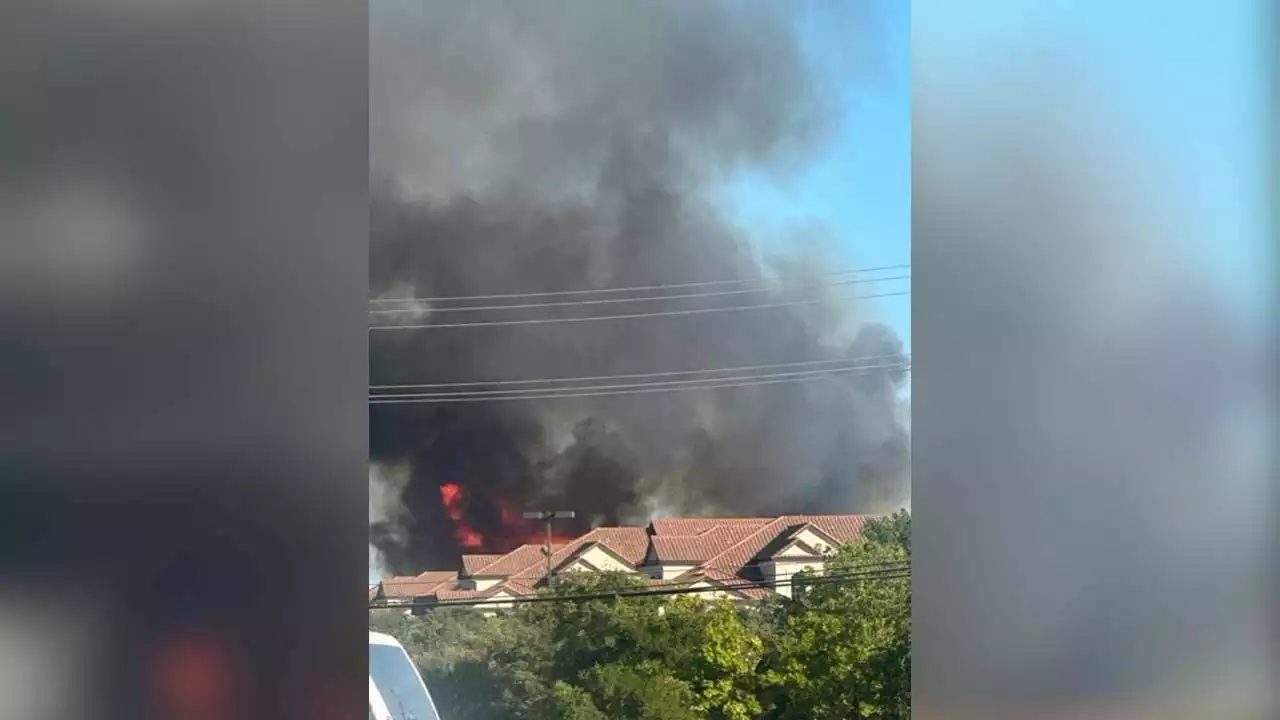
516	530
510	517
452	495
529	532
195	676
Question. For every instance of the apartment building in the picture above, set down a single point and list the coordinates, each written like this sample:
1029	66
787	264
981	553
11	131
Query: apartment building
742	559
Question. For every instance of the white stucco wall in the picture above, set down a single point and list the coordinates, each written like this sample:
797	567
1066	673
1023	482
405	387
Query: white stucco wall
603	561
781	571
666	572
481	583
813	540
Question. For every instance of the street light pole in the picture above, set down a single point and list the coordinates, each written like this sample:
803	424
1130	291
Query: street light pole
547	516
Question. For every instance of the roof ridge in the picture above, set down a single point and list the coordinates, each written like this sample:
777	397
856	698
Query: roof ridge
582	541
555	562
819	528
416	585
717	517
711	561
499	558
598	535
613	550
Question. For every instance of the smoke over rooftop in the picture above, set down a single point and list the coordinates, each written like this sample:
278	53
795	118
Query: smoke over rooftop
533	147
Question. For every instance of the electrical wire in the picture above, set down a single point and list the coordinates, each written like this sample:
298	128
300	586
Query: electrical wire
900	571
613	301
878	565
709	384
537	392
627	316
633	288
629	376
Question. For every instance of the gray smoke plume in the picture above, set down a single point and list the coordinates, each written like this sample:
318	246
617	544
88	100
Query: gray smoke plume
522	147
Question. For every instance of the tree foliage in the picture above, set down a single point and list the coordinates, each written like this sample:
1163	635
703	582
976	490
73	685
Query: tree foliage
844	649
840	649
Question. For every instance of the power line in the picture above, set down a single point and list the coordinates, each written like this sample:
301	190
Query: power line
660	592
898	571
611	301
848	571
633	288
624	376
889	572
536	392
877	565
629	316
710	384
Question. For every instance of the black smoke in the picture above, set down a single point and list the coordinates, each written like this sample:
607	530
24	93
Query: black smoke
523	147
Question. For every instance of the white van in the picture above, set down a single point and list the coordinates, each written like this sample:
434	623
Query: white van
396	690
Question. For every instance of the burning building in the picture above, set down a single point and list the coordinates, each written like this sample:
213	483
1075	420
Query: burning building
741	559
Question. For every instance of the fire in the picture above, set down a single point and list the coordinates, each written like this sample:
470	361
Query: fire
539	537
516	530
453	495
195	676
529	532
510	517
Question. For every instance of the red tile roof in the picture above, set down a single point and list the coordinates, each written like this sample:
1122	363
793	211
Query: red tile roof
734	584
678	550
842	528
472	563
722	550
512	588
701	547
631	543
511	563
694	526
716	580
411	586
460	595
519	588
790	537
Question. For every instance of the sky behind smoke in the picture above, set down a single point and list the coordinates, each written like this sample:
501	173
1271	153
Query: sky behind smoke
1088	214
1200	113
859	188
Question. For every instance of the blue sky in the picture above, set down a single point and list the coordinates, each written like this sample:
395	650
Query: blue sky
1195	83
859	188
1188	78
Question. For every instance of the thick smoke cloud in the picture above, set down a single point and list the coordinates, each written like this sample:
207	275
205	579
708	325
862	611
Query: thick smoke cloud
529	147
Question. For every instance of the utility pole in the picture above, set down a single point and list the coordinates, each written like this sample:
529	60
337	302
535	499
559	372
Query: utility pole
547	516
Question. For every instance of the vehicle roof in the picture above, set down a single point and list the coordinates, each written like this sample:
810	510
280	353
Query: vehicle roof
382	639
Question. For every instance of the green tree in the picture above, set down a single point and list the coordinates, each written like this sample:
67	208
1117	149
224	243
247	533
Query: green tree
840	649
570	702
725	674
647	690
844	646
